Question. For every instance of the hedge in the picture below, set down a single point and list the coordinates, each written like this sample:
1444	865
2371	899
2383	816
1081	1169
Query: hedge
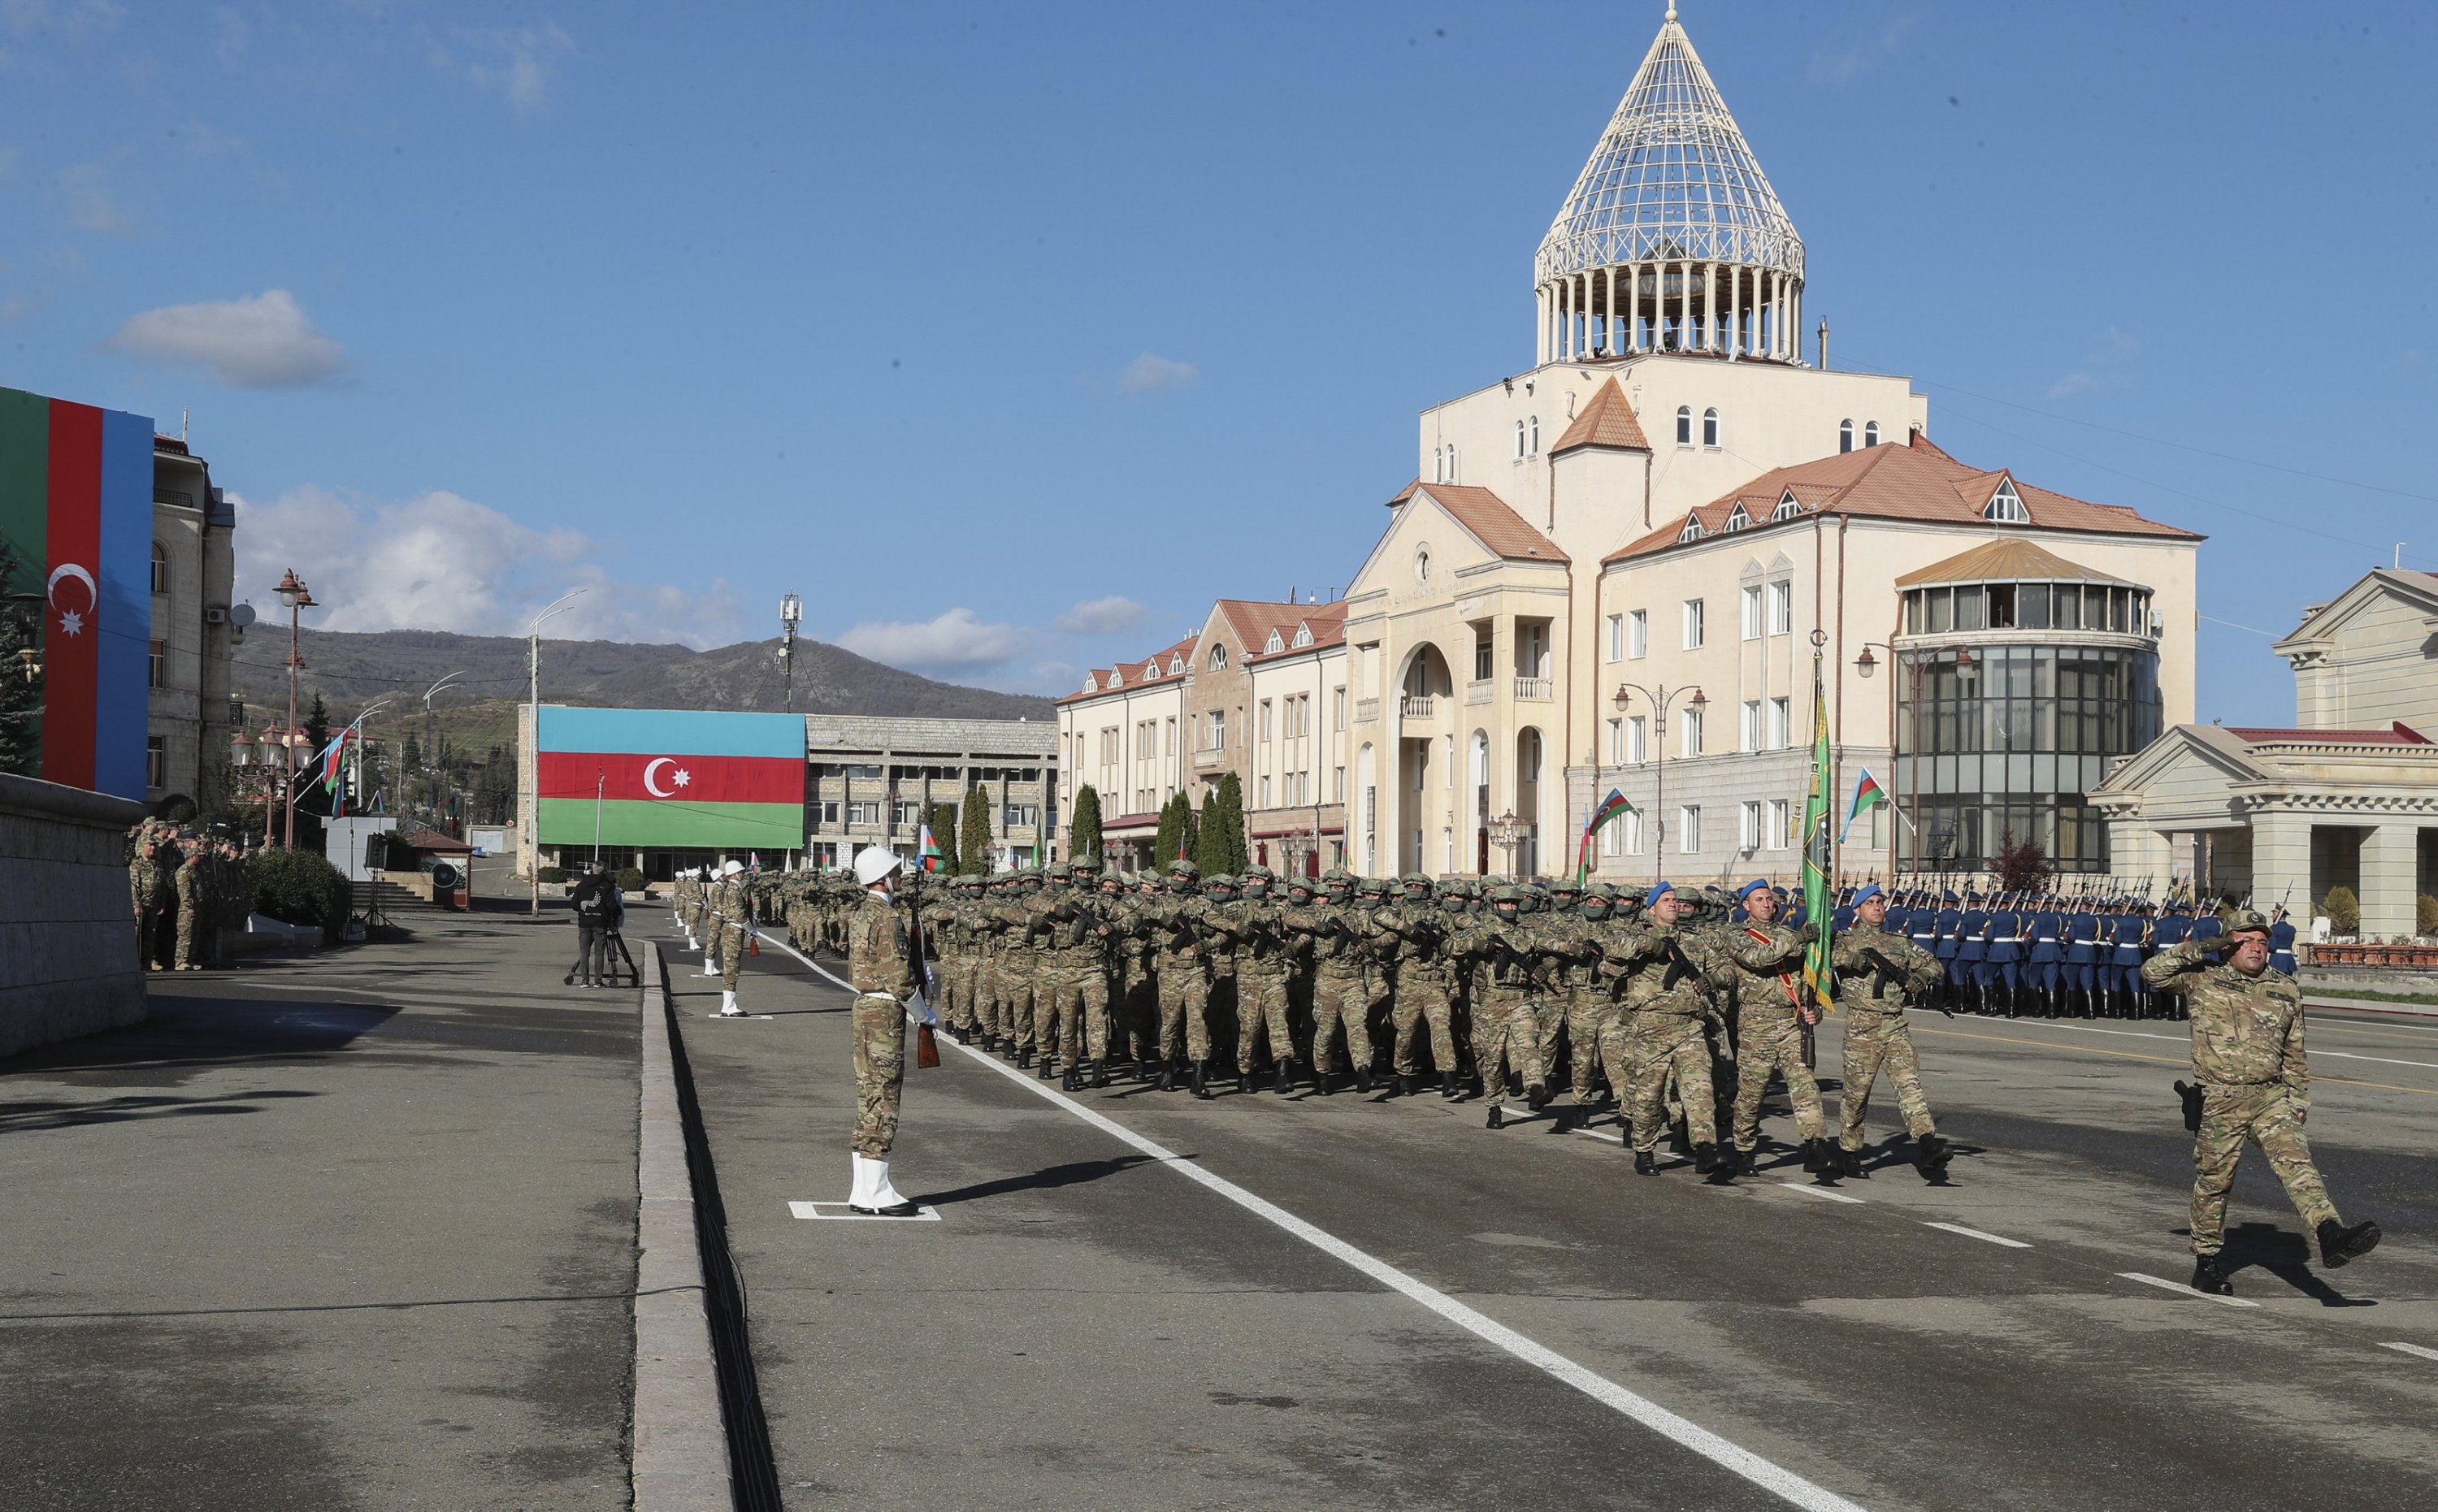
300	887
630	879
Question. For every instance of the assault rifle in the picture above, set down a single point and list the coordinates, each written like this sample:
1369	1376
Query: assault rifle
1886	977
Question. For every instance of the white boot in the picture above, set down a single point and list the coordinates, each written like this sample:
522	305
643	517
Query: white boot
874	1195
710	964
728	1007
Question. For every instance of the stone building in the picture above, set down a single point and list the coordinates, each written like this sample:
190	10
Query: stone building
194	568
871	780
2348	797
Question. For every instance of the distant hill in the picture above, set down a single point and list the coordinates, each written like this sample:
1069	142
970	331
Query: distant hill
350	670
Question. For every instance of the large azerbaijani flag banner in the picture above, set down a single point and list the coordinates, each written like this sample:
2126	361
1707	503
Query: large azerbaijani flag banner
671	777
76	505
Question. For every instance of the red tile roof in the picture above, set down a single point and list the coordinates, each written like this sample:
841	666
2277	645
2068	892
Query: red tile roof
1607	421
1134	670
2395	734
1327	623
1913	482
1490	520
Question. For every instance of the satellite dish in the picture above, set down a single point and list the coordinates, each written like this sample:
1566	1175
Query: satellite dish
240	615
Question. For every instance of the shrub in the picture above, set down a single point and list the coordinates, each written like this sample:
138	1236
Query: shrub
2344	911
2425	915
552	874
630	879
300	887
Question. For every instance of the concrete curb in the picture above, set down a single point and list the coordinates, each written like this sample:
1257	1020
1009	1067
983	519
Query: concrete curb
680	1441
2365	1005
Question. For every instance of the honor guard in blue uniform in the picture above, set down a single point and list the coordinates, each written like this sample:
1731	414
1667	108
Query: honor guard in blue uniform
2006	954
1843	919
2081	957
2207	925
2045	960
1921	921
2173	926
1973	953
2281	941
2123	962
1950	921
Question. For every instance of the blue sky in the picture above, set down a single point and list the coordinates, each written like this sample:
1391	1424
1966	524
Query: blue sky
1010	336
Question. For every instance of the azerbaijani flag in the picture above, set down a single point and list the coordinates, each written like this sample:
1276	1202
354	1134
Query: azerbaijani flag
76	504
1868	795
1610	808
929	850
1816	895
674	777
333	770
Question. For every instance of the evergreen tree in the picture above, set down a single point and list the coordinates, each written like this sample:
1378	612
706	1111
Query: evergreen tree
1189	829
973	830
1231	799
943	833
1173	816
1083	838
21	699
312	798
1219	834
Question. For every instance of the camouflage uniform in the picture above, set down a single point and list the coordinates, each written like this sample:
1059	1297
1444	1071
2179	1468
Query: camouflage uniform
1341	986
1671	971
1181	973
1506	1017
881	965
736	913
2247	1058
1768	960
1875	1034
1071	987
192	907
150	889
1263	961
1425	983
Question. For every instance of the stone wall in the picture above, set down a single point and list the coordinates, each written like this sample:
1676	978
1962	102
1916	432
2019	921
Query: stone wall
67	925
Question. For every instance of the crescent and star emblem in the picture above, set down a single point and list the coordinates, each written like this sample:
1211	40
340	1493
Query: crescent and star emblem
72	620
651	780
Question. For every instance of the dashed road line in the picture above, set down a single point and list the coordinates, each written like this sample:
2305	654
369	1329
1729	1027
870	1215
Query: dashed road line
1975	1233
2179	1287
2422	1350
2179	1039
2156	1060
1820	1191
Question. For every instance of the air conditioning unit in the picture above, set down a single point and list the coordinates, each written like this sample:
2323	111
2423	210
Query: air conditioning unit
215	615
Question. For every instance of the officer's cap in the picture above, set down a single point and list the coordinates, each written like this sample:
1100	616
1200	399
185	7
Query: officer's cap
2246	920
1756	885
1869	892
1658	891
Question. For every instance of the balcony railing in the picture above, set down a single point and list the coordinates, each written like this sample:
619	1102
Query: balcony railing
1415	706
1367	710
1206	759
1478	691
1532	690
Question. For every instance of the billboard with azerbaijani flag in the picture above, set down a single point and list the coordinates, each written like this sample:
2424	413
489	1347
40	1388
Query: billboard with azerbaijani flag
670	777
76	505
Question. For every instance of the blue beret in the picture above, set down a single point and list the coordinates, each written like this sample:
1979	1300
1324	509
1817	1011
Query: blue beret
1658	891
1756	885
1867	895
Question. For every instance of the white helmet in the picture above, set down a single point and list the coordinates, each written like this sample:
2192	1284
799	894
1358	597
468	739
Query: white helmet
876	863
732	869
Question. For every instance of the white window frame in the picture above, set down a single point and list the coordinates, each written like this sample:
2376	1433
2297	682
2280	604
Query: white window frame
1749	731
1696	612
1689	830
1748	825
1711	430
1782	606
1631	825
1616	743
1688	731
1616	637
1774	828
1637	635
1781	723
1749	619
1637	740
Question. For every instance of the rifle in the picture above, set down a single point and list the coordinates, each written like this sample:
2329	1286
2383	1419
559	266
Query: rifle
926	1043
1506	955
1885	975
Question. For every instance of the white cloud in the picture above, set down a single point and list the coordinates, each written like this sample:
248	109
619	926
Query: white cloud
517	62
2103	367
90	204
1844	64
1101	616
262	343
1149	373
957	640
440	561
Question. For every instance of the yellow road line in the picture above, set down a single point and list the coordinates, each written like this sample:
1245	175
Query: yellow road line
2160	1059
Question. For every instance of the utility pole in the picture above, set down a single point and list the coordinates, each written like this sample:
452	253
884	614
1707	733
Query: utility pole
296	597
791	610
533	833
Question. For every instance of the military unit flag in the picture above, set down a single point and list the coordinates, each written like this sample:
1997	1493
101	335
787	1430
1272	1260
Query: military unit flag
929	850
1610	808
1868	795
1818	899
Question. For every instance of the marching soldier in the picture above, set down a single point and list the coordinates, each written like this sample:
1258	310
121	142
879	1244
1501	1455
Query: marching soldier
1889	969
2252	1086
1669	975
1264	960
1506	1018
1072	984
1426	985
1771	1010
1340	952
1181	969
881	964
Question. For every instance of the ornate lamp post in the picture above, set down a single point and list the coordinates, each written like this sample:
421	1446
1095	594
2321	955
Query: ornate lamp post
1660	702
1965	669
296	598
1507	833
533	833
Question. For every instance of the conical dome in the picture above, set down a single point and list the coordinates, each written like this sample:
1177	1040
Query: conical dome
1671	237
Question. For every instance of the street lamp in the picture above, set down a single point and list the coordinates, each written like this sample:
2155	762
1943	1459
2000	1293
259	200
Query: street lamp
533	832
1660	702
431	741
1507	833
1867	666
791	612
295	598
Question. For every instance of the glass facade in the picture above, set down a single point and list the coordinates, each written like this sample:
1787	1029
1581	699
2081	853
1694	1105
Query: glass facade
2117	608
2003	751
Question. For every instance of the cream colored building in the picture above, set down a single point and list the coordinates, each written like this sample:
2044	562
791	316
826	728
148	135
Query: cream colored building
187	668
1614	570
2348	797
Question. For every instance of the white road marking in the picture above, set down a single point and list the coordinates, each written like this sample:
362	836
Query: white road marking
840	1213
736	1018
2186	1039
1975	1233
2422	1350
1770	1476
1820	1191
2179	1287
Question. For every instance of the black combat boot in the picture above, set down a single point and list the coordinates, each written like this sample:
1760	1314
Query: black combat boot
1645	1162
1536	1096
1404	1087
2339	1245
1497	1119
1449	1091
1100	1073
1167	1078
1287	1077
2208	1277
1932	1154
1024	1060
1813	1161
1705	1160
1748	1162
1322	1080
1849	1163
1245	1082
1070	1080
1363	1078
1202	1078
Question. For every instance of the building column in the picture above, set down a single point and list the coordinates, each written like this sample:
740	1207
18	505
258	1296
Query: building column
1541	341
1633	307
2390	864
1616	345
2281	862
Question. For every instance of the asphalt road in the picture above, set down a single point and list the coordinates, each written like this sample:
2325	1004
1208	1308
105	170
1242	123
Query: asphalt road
1504	1316
349	1231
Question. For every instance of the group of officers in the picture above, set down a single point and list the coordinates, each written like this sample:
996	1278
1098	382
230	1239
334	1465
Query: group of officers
1678	1008
187	887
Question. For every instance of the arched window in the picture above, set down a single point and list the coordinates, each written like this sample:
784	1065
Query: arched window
1871	434
160	569
1218	659
1519	440
1709	427
1845	435
1439	463
1684	425
1422	564
1535	449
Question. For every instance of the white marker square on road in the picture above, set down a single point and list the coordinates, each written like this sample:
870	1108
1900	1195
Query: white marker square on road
841	1212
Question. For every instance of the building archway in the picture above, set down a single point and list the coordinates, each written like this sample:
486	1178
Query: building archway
1477	783
1529	752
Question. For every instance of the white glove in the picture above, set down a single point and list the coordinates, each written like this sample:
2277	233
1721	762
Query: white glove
918	1011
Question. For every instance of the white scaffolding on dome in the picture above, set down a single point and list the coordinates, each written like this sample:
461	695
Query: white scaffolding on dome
1672	238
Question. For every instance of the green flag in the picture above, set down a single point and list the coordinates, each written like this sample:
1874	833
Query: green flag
1816	809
